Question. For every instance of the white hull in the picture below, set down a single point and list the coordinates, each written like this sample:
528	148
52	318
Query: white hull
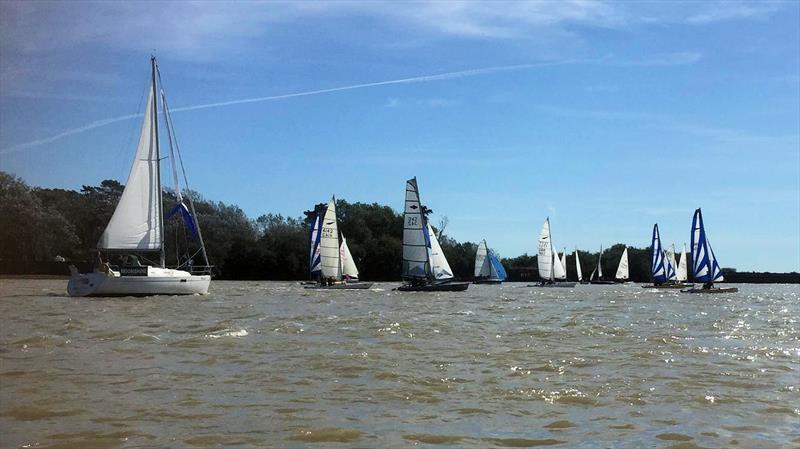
159	281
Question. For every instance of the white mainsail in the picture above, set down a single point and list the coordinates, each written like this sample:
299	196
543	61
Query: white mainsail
683	273
348	265
136	222
483	266
671	274
578	266
329	244
600	263
545	257
622	269
441	269
415	248
564	259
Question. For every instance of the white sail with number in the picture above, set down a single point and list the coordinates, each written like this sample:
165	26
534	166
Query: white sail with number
415	247
329	244
545	257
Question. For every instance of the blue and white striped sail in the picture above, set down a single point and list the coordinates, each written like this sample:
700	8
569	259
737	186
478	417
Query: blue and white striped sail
704	264
498	272
315	261
669	261
657	271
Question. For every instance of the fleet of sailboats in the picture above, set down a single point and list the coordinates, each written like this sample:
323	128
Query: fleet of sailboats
552	272
136	229
488	269
662	265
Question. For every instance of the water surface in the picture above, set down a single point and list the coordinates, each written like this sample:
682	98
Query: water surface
267	364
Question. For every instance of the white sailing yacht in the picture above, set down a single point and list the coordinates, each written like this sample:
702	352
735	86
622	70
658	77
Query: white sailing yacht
137	226
488	269
335	261
551	271
425	267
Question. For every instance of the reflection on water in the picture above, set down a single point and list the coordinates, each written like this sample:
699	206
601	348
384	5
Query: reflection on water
257	364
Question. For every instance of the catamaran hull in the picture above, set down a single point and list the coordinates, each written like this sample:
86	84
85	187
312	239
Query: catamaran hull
711	290
358	286
555	284
487	281
602	282
668	286
448	287
101	284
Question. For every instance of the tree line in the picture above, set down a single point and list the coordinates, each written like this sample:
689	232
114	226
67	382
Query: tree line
39	224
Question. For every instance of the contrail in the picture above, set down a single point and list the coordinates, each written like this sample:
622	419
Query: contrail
416	79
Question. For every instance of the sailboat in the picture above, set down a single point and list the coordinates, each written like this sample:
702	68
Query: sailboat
623	274
333	272
136	228
425	268
488	269
599	271
682	274
705	267
662	264
551	272
578	269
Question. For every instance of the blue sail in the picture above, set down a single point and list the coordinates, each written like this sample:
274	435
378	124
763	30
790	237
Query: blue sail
497	267
315	259
670	270
187	218
715	269
657	257
699	249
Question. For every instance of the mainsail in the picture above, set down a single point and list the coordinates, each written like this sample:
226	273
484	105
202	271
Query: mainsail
578	266
441	269
415	246
657	270
682	271
348	265
329	244
669	259
137	223
622	269
600	263
315	261
545	257
705	267
482	263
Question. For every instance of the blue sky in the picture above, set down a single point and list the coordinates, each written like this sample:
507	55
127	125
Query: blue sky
606	116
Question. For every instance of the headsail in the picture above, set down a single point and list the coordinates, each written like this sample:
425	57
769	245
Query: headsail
498	272
136	222
441	269
712	260
578	266
415	247
545	257
564	260
559	270
669	259
600	263
482	263
329	244
622	270
348	264
682	271
657	270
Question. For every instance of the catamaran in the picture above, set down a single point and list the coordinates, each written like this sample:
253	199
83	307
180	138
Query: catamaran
705	267
425	267
136	228
551	271
599	271
488	269
662	265
337	271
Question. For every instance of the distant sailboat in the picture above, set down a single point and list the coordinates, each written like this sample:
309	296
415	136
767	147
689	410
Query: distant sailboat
578	268
425	267
137	226
662	263
551	271
623	273
564	262
682	274
331	275
599	271
705	267
488	269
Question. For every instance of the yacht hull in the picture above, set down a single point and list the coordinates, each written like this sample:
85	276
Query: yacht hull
167	283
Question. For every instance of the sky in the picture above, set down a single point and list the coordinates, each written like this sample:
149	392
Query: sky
605	116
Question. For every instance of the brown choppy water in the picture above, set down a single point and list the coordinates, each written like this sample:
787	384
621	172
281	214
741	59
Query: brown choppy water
265	364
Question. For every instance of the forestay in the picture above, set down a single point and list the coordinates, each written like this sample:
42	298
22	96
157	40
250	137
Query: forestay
136	222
